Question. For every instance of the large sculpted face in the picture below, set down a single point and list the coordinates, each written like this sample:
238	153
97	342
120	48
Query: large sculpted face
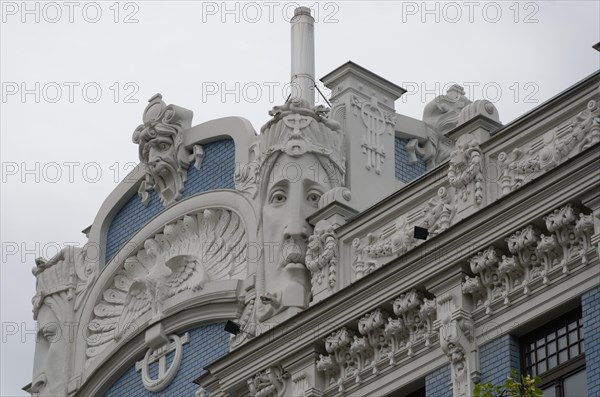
293	191
51	355
162	159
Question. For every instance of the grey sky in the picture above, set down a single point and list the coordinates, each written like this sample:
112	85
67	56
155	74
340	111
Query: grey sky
77	145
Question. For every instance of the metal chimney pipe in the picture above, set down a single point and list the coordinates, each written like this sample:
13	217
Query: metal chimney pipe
303	56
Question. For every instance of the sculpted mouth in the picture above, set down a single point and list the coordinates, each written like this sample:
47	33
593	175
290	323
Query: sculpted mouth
294	257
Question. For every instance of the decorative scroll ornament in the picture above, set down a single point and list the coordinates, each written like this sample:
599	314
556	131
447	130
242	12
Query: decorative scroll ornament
272	382
580	133
188	253
161	150
417	314
322	256
165	375
465	172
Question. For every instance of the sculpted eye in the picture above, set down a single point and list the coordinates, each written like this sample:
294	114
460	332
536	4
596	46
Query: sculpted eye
313	197
278	197
163	146
48	333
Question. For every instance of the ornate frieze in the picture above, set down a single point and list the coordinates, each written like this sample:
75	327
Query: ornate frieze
578	134
162	153
536	255
185	255
380	339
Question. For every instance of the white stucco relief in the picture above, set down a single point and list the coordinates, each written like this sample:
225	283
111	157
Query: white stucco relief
186	255
381	338
161	150
62	284
536	259
523	164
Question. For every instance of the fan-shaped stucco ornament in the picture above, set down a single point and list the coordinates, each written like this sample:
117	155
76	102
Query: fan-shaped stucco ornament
185	255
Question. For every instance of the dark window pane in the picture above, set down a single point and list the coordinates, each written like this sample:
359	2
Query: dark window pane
551	348
540	342
563	356
576	385
541	367
550	391
573	337
561	331
573	351
573	325
562	342
552	362
541	353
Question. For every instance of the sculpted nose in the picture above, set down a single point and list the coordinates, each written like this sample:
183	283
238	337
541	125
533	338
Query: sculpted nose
38	384
296	227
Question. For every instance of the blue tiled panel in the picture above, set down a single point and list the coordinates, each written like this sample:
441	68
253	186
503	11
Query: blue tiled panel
405	171
497	357
590	307
207	344
439	383
216	172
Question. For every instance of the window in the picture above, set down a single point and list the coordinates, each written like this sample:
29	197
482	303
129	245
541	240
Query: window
555	352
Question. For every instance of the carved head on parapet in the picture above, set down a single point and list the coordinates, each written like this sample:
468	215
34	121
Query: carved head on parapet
61	285
162	152
301	158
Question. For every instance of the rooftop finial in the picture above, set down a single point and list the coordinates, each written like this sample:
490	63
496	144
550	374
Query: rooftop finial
303	56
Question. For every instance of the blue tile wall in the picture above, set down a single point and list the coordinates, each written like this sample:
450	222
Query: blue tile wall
590	307
405	171
216	172
497	357
207	344
439	383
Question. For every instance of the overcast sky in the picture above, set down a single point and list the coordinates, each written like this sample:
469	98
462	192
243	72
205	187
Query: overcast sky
75	81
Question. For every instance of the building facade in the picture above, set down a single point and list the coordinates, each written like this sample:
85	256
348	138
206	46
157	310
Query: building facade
348	250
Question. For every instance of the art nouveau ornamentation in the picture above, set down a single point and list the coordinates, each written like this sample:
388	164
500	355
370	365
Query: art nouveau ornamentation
185	255
246	175
62	283
377	123
272	382
382	245
161	150
166	373
492	281
383	339
298	136
322	257
417	313
457	341
439	212
520	166
536	255
465	171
